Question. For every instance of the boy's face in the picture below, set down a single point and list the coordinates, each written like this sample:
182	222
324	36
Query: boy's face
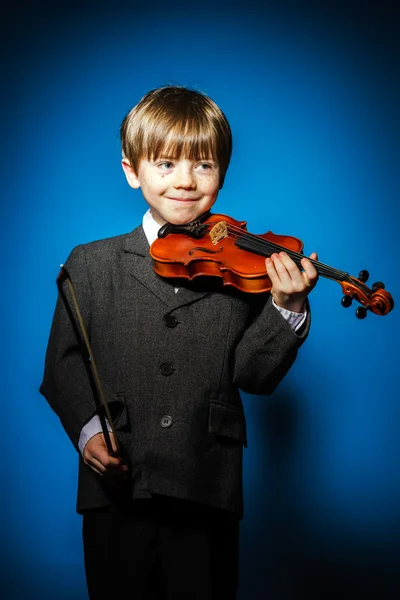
177	190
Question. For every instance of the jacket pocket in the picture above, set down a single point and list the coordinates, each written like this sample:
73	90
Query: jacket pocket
227	421
118	410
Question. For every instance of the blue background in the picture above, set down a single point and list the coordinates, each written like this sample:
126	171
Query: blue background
312	93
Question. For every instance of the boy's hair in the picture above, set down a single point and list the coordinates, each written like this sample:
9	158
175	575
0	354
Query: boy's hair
175	121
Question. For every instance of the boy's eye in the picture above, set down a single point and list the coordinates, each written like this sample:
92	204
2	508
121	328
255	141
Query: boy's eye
166	164
204	166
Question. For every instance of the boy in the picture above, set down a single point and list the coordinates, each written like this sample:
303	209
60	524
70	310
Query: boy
162	521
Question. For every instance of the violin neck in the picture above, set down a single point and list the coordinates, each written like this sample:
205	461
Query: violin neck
265	248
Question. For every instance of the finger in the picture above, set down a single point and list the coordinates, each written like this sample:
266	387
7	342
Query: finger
109	463
96	471
96	455
272	272
113	443
104	464
310	273
96	447
294	275
95	465
283	265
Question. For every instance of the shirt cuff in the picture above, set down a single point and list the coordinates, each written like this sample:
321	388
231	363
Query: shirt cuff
92	428
295	320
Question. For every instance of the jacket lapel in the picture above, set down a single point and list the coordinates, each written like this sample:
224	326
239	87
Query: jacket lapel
140	265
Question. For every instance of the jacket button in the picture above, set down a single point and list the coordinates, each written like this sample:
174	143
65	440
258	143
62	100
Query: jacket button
166	368
166	421
170	321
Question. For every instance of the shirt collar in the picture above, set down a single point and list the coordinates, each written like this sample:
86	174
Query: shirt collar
150	226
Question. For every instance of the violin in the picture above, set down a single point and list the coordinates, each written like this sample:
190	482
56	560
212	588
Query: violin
216	245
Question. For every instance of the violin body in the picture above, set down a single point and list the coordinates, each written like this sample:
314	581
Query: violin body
217	245
181	256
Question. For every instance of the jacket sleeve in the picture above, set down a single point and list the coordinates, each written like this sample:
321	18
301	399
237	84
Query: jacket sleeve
267	350
68	383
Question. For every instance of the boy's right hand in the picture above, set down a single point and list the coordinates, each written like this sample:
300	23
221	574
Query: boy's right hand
95	455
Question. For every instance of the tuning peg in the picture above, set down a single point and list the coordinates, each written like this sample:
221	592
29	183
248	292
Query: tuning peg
363	275
378	285
361	312
347	301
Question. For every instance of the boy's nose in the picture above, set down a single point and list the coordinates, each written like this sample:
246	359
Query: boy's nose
184	179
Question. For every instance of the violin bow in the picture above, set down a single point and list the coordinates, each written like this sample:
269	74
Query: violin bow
100	397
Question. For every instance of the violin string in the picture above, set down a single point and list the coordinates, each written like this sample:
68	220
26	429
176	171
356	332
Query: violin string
265	245
323	269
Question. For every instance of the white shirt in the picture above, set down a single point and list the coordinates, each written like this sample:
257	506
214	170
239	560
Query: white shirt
151	228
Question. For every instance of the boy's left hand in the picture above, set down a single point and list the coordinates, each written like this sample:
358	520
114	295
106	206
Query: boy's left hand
290	285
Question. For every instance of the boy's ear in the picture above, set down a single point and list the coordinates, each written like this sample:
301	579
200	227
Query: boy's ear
130	174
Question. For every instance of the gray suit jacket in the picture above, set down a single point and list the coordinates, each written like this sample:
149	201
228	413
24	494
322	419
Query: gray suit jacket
171	365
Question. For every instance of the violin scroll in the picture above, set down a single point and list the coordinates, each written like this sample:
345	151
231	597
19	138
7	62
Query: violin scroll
376	299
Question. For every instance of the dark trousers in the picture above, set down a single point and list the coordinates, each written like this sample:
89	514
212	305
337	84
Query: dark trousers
163	549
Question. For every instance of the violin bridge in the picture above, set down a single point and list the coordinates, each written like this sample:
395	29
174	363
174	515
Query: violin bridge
218	232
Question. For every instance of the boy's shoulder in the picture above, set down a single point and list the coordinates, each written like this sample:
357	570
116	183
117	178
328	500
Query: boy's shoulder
112	242
107	247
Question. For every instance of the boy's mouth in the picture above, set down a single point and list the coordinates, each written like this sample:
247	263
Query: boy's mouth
182	199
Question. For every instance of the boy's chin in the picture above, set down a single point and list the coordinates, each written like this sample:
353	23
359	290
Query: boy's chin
183	218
